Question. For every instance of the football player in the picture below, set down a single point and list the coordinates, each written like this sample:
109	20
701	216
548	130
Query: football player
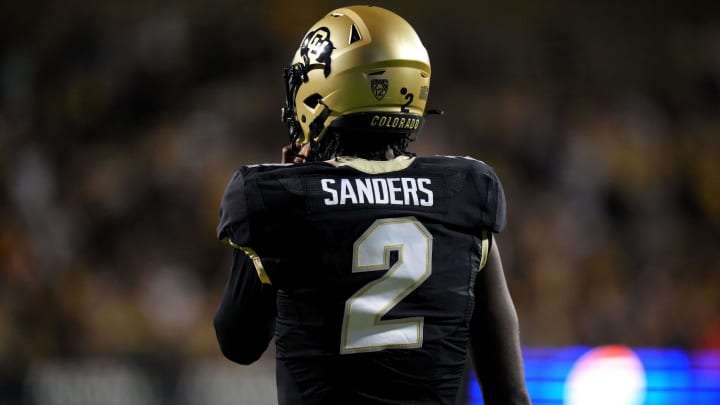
374	270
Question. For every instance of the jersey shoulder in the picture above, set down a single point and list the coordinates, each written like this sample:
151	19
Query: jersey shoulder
242	197
232	224
272	171
481	180
465	163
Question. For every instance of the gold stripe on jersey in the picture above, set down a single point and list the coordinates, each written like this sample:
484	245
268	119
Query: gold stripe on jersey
485	248
373	166
259	268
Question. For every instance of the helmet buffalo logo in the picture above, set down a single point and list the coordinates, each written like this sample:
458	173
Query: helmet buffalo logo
317	45
379	88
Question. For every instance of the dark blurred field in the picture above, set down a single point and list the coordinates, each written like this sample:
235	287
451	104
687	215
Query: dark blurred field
121	122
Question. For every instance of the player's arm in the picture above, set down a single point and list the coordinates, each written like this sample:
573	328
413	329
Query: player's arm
495	337
245	318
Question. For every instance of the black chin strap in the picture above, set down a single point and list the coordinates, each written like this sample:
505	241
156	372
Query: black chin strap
318	124
316	128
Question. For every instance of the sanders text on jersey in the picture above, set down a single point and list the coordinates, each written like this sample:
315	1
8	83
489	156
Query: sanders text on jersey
393	191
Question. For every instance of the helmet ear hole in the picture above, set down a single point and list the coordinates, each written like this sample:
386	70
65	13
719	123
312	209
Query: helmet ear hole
312	100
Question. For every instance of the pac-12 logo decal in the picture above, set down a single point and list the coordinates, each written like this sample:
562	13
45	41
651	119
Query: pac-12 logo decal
379	88
316	49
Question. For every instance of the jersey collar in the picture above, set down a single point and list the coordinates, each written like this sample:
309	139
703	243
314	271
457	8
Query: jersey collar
373	166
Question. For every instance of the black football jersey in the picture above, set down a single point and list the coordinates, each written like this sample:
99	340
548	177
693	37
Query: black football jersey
374	265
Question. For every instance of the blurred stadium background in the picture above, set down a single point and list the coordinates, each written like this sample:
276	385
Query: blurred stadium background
121	122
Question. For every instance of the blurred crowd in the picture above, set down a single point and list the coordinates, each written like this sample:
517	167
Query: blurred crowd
121	123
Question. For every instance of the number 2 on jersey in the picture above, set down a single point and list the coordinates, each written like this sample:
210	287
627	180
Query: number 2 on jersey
363	329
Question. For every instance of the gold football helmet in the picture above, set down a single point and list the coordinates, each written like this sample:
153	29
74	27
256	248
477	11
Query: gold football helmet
362	68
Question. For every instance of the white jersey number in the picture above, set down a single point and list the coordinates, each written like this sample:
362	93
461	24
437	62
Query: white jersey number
363	329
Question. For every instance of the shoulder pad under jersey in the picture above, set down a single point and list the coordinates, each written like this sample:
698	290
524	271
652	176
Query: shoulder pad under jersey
489	188
233	223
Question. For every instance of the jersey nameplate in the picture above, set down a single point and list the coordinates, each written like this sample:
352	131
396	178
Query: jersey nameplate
404	191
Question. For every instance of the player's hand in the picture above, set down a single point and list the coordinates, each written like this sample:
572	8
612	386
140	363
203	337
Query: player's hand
288	156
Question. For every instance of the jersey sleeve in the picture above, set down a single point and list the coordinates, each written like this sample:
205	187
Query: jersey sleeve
489	187
233	224
245	319
496	204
